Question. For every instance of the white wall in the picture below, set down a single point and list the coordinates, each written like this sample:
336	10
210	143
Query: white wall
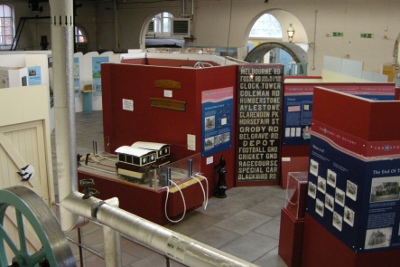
215	20
222	23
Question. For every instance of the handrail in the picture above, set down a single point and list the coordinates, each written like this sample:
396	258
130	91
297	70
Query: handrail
166	242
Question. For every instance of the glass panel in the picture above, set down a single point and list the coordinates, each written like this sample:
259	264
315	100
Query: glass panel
7	11
179	171
8	22
267	26
162	23
6	25
166	24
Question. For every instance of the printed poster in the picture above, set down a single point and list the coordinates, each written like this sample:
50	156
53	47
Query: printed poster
34	75
76	77
355	197
96	74
217	119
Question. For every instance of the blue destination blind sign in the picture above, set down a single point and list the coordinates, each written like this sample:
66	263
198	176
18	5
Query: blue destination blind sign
259	118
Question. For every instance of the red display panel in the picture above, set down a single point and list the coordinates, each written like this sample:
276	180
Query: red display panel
139	84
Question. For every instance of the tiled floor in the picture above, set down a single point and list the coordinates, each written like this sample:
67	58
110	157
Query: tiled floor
245	224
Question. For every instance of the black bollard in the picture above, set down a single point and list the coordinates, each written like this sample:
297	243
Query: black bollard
221	185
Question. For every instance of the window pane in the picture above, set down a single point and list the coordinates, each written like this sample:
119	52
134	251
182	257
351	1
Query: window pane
166	23
79	35
266	27
6	25
7	11
162	23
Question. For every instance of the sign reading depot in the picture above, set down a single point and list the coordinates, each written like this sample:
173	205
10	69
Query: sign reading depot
259	118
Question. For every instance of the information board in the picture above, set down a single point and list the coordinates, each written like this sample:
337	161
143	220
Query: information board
298	105
355	197
216	120
259	117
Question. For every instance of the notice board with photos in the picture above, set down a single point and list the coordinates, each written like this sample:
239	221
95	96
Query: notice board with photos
259	102
354	175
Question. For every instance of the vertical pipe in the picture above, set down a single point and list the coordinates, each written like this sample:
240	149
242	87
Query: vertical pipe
315	39
80	247
112	241
62	45
168	176
190	167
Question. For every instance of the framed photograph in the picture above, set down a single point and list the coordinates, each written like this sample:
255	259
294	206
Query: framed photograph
349	216
321	184
331	178
339	197
314	165
329	202
312	190
385	189
351	190
337	221
378	238
319	207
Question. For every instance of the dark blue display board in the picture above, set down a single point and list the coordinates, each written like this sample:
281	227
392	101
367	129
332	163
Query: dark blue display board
355	197
217	107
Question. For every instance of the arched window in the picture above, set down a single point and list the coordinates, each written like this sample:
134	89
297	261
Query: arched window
268	29
6	26
81	40
160	25
267	26
80	36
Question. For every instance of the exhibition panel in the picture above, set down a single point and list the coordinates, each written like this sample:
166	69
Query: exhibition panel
353	181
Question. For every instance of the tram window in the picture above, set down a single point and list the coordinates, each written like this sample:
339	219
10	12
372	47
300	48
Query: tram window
136	161
121	157
129	159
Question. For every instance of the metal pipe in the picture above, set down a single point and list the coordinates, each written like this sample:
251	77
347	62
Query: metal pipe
315	39
62	45
112	242
190	167
173	245
80	248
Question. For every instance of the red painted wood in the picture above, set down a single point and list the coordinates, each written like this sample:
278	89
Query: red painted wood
321	248
290	239
371	117
146	203
146	123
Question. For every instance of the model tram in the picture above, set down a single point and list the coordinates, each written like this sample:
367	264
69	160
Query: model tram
136	160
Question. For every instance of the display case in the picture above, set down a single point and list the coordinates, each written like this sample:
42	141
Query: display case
160	195
296	192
